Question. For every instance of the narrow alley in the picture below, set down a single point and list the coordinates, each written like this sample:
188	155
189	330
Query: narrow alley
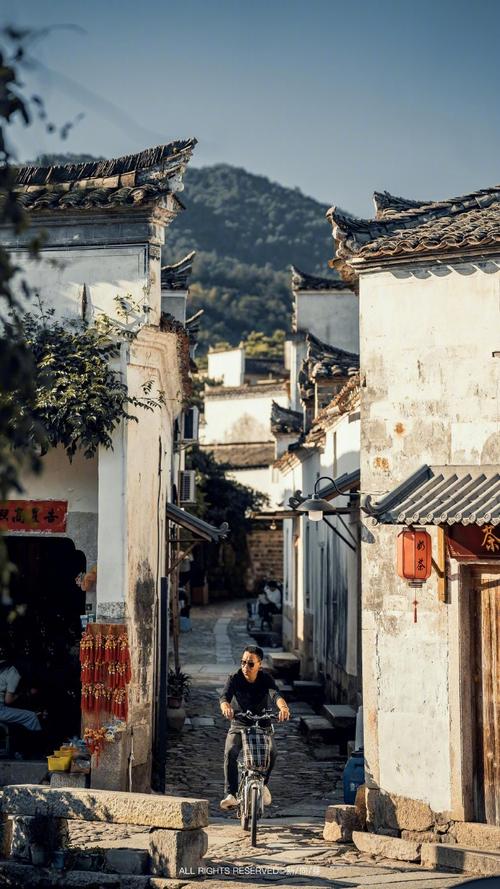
291	850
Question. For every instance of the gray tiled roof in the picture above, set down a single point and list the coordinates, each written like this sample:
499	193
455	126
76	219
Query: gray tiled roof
177	276
303	281
404	228
196	525
238	455
284	419
132	180
438	495
324	360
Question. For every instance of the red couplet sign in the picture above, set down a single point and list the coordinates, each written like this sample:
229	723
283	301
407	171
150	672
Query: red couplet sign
33	515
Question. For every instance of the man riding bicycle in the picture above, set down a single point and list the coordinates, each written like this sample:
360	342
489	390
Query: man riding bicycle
252	690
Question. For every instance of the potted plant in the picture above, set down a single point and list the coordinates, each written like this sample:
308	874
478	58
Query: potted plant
179	687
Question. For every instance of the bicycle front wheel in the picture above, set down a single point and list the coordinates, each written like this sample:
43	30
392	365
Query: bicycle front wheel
244	819
254	802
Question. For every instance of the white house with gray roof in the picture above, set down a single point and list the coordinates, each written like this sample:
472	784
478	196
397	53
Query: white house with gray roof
428	275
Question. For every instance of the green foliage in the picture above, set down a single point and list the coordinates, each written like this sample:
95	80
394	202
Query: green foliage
220	499
179	684
258	345
246	231
79	397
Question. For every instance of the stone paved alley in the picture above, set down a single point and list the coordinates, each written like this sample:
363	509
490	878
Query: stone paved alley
291	851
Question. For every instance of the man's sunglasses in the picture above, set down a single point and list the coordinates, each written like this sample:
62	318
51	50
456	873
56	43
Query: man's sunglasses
247	663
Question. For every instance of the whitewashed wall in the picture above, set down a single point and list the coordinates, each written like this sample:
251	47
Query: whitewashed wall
431	396
59	276
242	417
333	317
227	366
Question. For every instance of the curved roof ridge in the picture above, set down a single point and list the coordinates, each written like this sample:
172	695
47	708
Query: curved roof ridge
177	275
470	221
306	281
58	174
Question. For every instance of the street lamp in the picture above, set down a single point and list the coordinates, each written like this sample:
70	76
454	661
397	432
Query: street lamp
315	506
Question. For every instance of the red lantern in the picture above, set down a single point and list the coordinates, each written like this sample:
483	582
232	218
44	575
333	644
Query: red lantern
414	555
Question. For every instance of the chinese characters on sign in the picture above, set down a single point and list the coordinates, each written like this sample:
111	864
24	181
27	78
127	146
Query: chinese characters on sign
491	542
473	541
33	515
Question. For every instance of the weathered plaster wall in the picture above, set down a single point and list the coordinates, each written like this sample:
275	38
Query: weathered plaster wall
76	482
431	395
245	417
59	275
332	317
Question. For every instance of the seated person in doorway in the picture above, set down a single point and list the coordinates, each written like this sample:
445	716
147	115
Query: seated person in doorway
273	593
253	690
9	682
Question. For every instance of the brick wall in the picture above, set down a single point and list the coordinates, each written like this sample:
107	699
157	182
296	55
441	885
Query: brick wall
265	549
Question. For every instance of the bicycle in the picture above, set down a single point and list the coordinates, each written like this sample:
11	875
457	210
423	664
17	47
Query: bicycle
256	748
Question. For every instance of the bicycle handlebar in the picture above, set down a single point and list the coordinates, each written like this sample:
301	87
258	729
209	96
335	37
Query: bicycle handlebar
267	714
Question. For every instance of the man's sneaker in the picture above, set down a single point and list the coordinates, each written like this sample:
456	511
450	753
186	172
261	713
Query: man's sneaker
229	802
266	796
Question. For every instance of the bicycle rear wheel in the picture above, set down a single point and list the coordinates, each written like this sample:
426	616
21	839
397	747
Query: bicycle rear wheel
244	819
254	802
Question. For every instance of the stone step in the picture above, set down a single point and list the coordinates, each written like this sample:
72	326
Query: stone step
339	715
284	662
476	835
317	725
116	807
301	708
461	858
387	847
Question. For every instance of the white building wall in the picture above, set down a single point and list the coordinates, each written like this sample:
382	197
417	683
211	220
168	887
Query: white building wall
431	396
59	276
241	418
227	366
332	317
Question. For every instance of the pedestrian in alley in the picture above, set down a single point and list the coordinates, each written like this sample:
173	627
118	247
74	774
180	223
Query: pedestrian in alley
253	690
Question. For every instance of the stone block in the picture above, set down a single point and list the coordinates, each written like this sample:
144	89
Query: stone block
177	853
68	779
386	847
391	810
421	836
480	836
460	858
340	821
112	806
15	875
46	834
126	861
360	805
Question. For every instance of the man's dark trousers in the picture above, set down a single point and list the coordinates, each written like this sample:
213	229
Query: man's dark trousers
231	752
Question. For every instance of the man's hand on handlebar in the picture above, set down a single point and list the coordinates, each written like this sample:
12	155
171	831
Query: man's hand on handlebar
227	710
284	711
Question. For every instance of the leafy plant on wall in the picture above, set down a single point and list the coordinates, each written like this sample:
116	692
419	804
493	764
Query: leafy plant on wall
80	397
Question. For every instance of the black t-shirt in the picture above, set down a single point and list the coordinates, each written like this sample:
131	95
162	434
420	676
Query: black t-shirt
253	696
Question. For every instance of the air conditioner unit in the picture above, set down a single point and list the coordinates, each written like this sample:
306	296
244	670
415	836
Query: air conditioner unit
189	424
187	486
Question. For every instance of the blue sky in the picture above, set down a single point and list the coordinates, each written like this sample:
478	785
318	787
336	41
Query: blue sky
337	98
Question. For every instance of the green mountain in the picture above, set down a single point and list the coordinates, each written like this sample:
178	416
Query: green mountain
246	231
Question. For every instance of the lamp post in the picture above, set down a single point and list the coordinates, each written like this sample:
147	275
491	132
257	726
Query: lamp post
317	509
315	506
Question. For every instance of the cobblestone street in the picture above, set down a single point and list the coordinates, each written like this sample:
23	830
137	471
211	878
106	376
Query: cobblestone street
291	850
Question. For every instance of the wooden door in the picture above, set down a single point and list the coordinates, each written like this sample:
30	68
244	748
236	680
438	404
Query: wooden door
485	668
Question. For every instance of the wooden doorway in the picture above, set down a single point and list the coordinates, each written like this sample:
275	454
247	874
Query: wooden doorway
483	606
